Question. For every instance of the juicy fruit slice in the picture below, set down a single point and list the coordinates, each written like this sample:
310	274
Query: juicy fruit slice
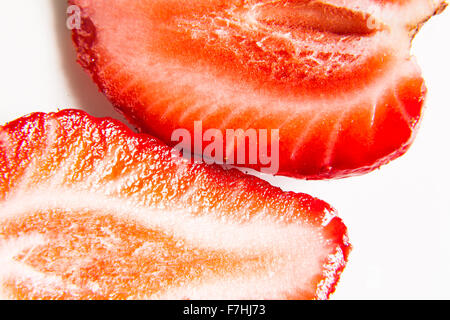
90	210
335	77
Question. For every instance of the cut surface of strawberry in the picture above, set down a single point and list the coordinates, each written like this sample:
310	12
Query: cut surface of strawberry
334	77
91	210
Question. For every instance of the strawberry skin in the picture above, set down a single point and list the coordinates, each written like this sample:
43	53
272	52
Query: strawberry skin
91	210
335	77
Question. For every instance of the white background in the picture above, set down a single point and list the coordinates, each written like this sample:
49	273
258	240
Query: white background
398	217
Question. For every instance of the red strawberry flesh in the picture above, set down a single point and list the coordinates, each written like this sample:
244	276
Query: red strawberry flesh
91	210
335	77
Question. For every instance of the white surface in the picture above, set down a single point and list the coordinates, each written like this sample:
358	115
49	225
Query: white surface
398	217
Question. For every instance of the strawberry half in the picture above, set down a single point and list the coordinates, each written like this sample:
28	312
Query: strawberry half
91	210
335	77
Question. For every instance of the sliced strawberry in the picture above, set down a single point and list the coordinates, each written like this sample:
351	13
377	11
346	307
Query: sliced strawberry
90	210
335	77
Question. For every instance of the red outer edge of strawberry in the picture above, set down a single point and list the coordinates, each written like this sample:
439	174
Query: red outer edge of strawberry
83	38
